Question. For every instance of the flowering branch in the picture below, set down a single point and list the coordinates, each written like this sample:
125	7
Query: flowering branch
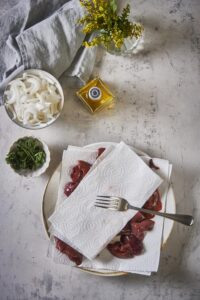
102	19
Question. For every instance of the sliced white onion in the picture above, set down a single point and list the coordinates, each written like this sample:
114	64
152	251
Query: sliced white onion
18	83
32	99
35	85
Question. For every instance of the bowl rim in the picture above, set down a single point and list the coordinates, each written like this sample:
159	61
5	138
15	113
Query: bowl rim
48	76
40	170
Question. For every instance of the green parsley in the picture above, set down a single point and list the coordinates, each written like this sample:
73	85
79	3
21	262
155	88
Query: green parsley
26	154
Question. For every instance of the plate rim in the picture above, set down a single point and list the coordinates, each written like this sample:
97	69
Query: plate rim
91	271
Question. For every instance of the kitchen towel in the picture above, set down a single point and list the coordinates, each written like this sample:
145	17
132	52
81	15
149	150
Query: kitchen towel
44	35
105	261
148	261
89	229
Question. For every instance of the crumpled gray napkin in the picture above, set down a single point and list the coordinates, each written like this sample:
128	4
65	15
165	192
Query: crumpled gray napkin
43	34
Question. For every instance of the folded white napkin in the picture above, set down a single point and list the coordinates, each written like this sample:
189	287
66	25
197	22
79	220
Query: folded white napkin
89	229
70	158
105	261
148	261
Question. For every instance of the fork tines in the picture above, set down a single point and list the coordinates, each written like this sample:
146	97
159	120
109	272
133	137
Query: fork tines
110	202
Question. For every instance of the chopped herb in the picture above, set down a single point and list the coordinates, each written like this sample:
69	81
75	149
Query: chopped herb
26	154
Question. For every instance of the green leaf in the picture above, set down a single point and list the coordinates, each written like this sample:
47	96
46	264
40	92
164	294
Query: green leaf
113	5
26	154
103	19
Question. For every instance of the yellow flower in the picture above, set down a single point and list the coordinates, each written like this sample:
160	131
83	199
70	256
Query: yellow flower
102	18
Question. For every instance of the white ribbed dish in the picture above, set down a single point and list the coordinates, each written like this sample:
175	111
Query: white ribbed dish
42	169
50	78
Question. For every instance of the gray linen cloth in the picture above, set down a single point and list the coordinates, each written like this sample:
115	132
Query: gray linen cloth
43	34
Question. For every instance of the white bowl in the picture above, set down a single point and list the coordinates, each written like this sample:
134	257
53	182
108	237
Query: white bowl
50	78
42	169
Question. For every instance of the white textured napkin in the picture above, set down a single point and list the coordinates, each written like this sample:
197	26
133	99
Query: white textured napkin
70	158
89	229
107	262
148	261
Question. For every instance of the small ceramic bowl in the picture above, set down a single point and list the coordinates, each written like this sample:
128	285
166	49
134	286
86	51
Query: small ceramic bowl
42	169
42	75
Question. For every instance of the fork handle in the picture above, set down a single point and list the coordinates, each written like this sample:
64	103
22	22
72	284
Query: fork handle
184	219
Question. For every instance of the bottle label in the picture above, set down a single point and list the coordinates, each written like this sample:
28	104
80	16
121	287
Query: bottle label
95	93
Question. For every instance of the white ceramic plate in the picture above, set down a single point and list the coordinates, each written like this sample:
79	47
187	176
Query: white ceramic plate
50	198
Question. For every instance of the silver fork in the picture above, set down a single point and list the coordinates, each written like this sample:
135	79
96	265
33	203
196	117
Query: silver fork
121	204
